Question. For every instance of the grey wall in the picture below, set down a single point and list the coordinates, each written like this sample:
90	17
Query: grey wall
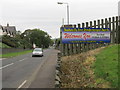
10	50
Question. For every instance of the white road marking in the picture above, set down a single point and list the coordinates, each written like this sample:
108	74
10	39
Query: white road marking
22	59
21	85
2	59
11	64
6	66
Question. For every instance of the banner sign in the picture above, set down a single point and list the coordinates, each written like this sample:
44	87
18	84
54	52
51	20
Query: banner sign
85	35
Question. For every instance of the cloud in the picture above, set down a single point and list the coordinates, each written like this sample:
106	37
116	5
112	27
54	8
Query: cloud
47	14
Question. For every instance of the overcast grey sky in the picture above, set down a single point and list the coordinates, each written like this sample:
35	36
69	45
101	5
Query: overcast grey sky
47	14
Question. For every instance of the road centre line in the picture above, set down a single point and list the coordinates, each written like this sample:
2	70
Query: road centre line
6	65
2	59
21	85
11	64
22	59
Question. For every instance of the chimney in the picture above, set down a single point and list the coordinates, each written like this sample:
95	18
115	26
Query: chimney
7	24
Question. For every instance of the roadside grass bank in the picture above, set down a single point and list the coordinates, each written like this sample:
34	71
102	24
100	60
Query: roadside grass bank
106	65
2	45
9	55
91	69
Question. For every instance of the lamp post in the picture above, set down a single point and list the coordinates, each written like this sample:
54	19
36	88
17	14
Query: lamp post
67	10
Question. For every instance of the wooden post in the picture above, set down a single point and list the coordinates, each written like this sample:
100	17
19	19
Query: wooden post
119	34
113	30
66	46
106	26
98	45
94	44
91	44
102	25
98	21
71	47
63	49
75	45
83	45
110	30
117	29
79	45
87	44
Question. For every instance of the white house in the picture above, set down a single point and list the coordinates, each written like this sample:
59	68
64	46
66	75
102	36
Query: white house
1	30
8	30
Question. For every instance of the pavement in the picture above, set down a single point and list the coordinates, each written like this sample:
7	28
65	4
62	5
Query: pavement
26	71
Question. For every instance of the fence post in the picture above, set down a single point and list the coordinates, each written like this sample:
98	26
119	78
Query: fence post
113	30
98	45
102	25
117	29
106	26
110	30
71	47
87	44
83	45
79	45
94	44
75	45
91	44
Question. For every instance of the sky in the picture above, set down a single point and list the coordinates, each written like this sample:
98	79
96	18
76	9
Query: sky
47	15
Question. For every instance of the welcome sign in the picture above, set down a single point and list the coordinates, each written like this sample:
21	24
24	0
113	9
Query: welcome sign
85	35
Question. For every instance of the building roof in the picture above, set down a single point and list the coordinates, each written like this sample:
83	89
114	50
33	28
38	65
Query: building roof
9	29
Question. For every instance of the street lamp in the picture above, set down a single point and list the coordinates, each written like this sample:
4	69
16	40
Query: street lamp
67	10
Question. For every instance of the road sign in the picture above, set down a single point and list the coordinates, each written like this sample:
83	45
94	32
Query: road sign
85	35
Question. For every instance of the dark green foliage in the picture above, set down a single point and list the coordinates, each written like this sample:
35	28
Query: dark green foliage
38	37
28	38
10	41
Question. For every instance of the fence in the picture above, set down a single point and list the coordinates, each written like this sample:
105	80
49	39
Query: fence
113	23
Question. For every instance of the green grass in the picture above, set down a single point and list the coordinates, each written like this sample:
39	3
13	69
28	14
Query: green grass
8	55
2	45
106	65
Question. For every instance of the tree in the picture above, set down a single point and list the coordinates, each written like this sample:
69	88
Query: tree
38	37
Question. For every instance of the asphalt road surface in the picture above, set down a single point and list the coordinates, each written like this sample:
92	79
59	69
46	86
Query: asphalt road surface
26	71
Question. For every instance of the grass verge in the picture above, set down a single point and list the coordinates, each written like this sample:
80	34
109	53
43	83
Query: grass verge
2	45
87	69
106	65
8	55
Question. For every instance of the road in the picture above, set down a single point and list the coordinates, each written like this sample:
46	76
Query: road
26	71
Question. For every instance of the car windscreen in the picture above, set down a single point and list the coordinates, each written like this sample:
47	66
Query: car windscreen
38	50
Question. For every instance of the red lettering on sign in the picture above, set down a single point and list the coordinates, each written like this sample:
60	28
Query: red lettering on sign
67	35
85	36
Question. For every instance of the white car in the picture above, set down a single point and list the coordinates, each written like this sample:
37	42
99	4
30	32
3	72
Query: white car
37	52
